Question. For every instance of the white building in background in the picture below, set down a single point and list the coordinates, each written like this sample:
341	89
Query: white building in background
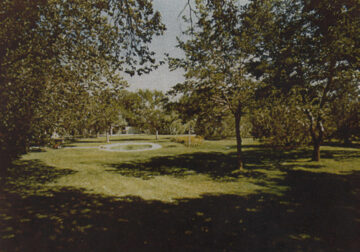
55	135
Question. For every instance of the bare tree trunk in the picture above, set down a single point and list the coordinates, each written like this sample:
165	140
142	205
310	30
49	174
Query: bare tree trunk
189	137
316	132
240	164
107	136
317	140
157	134
346	136
316	151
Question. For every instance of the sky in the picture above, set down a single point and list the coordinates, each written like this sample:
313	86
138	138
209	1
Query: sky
162	78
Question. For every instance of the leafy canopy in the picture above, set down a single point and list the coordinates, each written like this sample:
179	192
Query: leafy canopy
47	45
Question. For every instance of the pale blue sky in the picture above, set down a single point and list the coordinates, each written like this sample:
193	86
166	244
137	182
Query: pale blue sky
162	78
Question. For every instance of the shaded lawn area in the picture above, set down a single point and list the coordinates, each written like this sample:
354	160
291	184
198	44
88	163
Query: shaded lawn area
296	205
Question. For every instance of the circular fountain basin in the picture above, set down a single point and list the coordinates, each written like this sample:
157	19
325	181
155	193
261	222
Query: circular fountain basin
129	147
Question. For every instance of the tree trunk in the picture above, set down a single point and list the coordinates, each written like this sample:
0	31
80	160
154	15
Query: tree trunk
189	137
107	136
240	164
157	134
316	151
316	145
346	136
317	133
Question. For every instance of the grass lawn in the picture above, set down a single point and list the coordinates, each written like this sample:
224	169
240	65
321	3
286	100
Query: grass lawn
181	199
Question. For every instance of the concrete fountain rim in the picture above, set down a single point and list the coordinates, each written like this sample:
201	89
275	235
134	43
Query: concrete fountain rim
108	147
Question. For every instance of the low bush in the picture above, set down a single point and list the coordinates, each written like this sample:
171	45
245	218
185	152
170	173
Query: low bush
55	143
194	140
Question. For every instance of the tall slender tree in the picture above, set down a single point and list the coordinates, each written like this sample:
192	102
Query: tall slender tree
215	57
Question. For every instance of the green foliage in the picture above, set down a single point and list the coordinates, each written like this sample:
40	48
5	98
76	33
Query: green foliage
345	116
49	49
177	127
216	52
315	49
208	119
145	110
105	109
215	127
280	122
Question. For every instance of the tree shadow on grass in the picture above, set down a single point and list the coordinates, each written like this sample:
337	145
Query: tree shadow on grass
319	212
245	146
340	155
217	165
27	176
343	145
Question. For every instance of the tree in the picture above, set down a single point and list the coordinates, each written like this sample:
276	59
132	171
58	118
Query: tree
210	120
106	109
177	127
215	57
145	110
279	121
71	109
312	46
345	115
46	45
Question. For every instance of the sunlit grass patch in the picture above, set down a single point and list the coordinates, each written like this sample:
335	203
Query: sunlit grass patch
176	171
165	188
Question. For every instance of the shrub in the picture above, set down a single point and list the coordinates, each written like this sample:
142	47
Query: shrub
280	122
56	143
194	140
